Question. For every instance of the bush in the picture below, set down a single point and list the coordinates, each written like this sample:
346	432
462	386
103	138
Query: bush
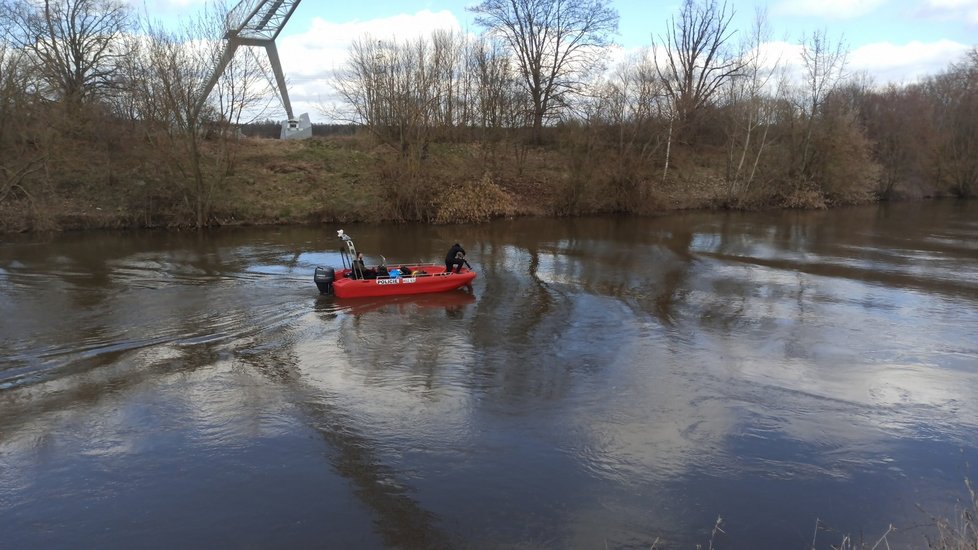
474	201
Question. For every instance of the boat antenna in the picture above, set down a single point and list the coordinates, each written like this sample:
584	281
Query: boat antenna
351	249
349	242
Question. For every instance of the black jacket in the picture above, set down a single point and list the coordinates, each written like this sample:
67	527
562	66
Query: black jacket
453	252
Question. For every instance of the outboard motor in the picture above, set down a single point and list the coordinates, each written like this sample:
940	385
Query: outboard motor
324	278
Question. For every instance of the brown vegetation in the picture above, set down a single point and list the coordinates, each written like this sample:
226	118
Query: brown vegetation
450	128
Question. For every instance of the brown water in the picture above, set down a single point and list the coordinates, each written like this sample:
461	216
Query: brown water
607	382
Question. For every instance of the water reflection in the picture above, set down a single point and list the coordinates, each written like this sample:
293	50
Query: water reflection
453	303
607	381
356	456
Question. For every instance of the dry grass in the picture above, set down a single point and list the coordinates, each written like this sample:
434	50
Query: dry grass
347	179
961	532
847	542
956	533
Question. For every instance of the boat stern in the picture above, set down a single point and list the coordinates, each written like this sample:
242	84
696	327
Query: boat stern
324	278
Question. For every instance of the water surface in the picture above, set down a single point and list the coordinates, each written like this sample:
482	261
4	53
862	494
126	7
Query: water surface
607	382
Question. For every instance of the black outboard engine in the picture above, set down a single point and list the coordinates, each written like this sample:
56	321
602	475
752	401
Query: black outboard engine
324	278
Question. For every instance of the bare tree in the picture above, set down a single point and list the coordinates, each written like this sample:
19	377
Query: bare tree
900	122
447	52
410	93
555	43
390	88
17	161
496	88
824	68
13	87
697	59
75	44
198	144
631	103
955	94
124	101
749	100
355	84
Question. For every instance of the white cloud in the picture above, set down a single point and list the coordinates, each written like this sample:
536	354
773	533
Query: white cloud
830	9
902	63
885	62
952	4
955	10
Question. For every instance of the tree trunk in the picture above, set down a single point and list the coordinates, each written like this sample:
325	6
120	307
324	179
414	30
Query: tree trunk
665	170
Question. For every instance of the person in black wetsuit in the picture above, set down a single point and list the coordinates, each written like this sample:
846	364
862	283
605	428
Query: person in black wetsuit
360	270
455	258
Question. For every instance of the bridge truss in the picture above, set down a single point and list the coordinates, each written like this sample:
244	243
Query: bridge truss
258	23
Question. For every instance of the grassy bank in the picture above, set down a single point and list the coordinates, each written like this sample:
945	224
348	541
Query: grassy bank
355	178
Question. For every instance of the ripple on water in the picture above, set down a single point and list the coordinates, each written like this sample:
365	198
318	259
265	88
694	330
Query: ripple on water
605	372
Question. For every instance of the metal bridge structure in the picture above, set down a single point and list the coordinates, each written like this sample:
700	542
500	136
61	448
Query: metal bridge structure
258	23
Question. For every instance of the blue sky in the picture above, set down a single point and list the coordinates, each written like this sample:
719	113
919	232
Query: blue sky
891	40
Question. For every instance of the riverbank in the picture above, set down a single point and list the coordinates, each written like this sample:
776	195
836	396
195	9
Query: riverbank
355	179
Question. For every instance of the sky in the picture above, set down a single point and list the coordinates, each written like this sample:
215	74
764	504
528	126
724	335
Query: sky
896	41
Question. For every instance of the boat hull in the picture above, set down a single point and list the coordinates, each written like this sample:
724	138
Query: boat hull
424	281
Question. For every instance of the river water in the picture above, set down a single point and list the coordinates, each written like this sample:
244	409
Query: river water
607	383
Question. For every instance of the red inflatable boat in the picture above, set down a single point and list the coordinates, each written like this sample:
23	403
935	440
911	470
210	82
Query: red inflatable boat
358	281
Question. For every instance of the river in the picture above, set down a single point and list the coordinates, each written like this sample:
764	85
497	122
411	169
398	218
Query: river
608	382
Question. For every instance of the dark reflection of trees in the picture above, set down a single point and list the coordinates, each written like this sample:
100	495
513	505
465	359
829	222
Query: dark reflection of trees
403	332
400	519
674	271
94	268
519	317
784	256
642	262
877	245
526	299
532	276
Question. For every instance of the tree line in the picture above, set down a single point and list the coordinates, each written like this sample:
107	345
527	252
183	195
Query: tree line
701	93
93	96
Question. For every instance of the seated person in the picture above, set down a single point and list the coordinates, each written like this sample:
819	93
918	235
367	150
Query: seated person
360	271
394	273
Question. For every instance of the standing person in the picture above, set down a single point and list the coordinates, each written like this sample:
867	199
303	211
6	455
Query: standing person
455	258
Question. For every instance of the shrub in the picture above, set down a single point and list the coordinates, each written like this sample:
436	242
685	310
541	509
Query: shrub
473	201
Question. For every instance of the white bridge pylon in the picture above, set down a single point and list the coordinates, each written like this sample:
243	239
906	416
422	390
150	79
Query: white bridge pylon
258	23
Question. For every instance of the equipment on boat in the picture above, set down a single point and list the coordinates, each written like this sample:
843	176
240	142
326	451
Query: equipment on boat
355	280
